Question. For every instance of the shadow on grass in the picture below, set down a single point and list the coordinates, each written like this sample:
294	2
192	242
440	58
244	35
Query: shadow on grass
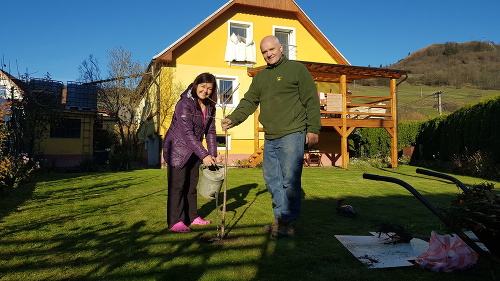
115	251
238	196
238	203
11	199
90	244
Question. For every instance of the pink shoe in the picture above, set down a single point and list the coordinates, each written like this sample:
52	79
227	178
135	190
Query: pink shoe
200	221
180	227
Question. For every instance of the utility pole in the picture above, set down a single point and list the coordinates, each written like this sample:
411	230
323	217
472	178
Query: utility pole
440	104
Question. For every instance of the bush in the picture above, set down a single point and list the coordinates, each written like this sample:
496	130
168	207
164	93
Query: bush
370	143
463	132
121	161
478	164
407	133
16	170
465	141
376	143
89	165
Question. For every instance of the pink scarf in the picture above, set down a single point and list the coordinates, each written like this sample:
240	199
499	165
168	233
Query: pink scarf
204	111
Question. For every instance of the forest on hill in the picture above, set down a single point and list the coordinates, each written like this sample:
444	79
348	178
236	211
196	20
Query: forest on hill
473	64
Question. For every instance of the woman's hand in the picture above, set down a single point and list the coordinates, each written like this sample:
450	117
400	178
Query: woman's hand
209	160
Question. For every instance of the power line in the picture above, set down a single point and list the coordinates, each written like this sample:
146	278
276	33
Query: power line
117	78
418	100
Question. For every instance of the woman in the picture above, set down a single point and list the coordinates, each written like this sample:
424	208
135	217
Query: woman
193	118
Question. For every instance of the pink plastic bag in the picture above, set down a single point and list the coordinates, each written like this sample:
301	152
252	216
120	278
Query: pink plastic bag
447	254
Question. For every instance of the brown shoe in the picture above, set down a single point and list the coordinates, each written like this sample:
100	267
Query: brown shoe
273	227
285	229
291	228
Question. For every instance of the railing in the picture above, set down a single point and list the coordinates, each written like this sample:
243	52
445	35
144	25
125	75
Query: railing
357	107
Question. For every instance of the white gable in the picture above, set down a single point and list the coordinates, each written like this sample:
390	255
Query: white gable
8	91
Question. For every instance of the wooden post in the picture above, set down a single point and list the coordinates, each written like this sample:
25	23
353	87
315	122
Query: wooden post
394	136
440	103
256	130
344	135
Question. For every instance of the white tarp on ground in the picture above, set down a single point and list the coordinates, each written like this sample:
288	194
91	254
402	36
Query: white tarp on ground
378	252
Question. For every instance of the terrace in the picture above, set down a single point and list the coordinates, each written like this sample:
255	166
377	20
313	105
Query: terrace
345	112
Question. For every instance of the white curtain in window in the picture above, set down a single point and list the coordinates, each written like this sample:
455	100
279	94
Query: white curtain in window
237	49
250	50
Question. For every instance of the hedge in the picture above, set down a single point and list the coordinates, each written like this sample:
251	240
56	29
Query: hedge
464	132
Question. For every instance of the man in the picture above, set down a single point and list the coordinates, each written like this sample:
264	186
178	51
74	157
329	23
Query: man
289	113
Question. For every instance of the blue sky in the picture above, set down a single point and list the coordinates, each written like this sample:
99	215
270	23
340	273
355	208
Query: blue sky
55	36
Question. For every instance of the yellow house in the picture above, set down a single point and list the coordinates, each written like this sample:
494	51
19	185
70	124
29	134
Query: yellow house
73	140
226	44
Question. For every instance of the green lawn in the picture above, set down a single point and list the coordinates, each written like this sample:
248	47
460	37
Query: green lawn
111	226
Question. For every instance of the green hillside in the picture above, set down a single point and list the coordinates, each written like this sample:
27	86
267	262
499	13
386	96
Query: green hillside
416	103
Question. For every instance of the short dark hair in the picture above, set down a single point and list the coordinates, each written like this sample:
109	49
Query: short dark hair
206	78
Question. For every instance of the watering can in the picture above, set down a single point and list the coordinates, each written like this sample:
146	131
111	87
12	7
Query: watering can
211	181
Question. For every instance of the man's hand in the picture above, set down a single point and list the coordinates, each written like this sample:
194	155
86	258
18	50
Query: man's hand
226	123
312	139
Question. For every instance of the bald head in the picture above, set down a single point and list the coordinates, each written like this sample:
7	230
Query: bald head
270	38
271	49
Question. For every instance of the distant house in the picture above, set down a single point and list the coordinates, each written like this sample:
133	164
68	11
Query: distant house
11	89
72	140
226	44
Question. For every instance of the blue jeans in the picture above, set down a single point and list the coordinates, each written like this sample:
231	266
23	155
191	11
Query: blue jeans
282	169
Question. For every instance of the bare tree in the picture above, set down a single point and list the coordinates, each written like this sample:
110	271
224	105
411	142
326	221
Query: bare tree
117	95
120	98
169	95
89	70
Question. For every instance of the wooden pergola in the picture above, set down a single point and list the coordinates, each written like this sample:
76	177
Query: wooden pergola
344	121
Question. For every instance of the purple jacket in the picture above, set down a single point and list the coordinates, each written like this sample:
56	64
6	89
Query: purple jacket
185	135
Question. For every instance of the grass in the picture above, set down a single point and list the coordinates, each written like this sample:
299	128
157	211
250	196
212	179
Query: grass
111	226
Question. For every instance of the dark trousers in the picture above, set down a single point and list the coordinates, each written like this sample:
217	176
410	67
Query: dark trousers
182	201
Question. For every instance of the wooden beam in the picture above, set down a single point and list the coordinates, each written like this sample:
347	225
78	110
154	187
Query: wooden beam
394	139
358	123
324	72
350	130
337	128
256	130
390	131
343	138
368	104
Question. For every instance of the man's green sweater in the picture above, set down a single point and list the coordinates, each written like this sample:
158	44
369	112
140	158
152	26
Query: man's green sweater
288	100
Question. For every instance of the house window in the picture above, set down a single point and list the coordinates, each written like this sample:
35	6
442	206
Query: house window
228	92
221	142
240	47
67	129
286	35
239	30
3	92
